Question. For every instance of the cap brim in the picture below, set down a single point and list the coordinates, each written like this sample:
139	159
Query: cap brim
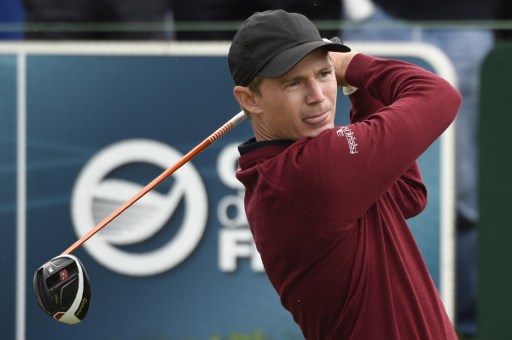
286	60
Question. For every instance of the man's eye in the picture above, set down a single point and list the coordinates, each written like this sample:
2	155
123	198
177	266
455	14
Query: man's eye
325	74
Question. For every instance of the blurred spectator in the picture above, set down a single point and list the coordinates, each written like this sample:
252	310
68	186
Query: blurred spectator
95	17
11	13
168	19
466	47
503	11
233	11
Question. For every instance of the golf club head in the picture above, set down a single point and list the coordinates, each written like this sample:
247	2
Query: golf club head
62	289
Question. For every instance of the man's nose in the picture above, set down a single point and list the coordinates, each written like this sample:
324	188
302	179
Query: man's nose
315	92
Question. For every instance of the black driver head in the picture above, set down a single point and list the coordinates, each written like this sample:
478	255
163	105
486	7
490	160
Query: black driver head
62	289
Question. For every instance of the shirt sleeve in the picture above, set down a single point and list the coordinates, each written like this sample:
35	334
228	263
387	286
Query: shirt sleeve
409	191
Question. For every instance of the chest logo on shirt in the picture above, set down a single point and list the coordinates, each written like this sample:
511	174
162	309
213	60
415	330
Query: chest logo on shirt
351	139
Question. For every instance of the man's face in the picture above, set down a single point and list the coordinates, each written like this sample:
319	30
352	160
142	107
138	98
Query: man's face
300	103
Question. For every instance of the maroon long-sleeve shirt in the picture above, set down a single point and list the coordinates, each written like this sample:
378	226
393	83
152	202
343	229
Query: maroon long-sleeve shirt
328	213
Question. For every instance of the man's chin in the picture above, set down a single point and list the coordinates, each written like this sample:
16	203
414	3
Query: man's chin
316	132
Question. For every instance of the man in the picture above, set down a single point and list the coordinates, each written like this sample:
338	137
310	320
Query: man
327	205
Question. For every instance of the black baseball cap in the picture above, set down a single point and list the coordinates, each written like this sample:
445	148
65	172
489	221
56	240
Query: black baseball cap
270	43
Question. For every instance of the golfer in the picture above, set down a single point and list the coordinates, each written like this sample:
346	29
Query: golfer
327	205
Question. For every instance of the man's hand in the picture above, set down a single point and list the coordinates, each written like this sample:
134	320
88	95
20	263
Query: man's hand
341	62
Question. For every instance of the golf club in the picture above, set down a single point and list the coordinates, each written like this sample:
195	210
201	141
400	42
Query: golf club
62	285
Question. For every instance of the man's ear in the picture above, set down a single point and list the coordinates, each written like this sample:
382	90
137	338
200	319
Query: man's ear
246	99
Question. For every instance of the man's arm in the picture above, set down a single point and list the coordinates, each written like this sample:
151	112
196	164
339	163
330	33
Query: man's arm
372	154
409	191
